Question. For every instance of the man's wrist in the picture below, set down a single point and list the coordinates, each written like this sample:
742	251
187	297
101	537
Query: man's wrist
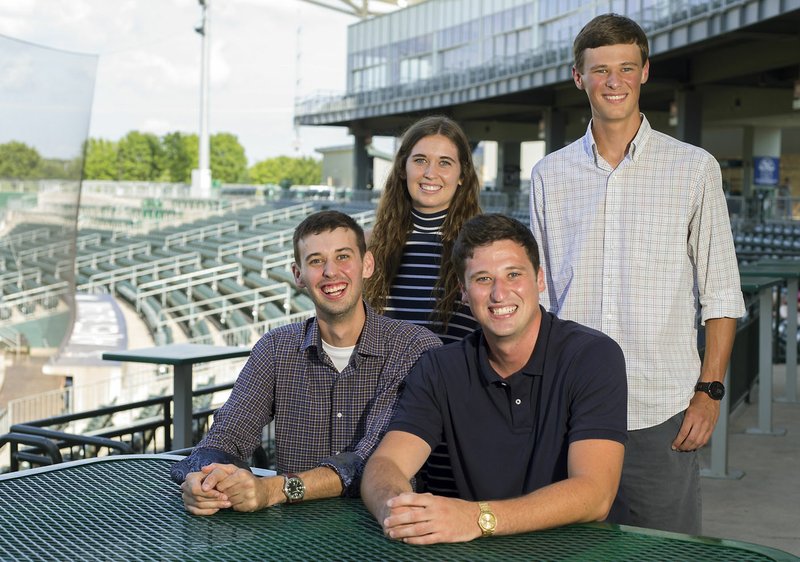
273	488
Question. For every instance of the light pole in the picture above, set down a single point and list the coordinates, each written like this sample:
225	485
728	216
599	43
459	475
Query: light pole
201	177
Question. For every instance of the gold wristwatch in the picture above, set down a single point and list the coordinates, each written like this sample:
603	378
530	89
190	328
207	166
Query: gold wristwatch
486	520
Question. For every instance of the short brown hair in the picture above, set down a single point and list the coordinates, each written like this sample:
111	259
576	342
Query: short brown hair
609	29
483	230
326	221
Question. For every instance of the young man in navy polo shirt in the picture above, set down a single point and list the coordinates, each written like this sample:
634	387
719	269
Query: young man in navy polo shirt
533	409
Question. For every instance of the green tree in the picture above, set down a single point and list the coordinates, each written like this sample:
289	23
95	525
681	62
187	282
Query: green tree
179	156
56	168
228	160
101	160
140	157
18	161
307	171
287	170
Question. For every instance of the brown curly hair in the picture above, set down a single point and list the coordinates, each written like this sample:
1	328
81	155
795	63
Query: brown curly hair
393	221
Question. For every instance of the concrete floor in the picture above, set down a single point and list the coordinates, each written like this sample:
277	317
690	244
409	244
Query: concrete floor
763	507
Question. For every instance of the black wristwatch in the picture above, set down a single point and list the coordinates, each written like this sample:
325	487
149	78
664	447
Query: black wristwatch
293	488
716	390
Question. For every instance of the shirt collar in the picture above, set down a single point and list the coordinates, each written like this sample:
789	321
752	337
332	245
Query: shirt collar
535	364
637	144
367	343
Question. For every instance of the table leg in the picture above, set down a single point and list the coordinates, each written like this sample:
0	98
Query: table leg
790	392
765	366
182	404
719	443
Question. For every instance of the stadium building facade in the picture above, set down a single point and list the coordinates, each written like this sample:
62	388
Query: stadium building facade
725	76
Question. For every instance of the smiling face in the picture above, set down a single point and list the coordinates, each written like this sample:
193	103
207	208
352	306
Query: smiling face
502	290
332	270
612	77
433	173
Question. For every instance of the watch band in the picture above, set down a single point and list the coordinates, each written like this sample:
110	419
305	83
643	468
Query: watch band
714	389
486	520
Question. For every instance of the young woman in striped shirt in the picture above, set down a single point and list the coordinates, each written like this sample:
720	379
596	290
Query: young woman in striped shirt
431	192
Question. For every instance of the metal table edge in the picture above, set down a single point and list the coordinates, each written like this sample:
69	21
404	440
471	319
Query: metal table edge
774	553
111	458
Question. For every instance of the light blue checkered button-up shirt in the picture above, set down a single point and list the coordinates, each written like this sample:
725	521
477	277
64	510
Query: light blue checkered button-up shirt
633	252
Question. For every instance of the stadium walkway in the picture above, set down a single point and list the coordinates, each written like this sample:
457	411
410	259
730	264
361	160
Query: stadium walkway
764	506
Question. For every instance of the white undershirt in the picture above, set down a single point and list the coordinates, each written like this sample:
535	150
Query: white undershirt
339	355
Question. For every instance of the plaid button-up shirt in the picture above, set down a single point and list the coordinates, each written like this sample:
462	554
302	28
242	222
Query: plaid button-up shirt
634	252
322	417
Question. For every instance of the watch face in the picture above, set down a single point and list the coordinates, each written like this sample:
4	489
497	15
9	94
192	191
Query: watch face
716	390
488	522
294	489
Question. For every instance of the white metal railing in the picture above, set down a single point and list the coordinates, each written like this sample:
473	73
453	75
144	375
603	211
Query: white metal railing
33	235
105	279
27	299
19	277
185	281
365	218
61	247
285	213
284	259
91	260
255	243
242	335
239	204
267	325
135	189
198	234
252	299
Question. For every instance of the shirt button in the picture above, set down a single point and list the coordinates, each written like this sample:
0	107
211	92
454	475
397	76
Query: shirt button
339	415
517	401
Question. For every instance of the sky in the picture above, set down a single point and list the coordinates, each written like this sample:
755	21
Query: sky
264	54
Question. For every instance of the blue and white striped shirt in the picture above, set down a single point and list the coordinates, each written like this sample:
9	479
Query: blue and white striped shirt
412	296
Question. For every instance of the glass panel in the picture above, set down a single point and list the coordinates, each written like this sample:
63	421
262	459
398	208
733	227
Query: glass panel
45	106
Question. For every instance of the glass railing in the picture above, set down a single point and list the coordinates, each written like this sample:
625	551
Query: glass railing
45	106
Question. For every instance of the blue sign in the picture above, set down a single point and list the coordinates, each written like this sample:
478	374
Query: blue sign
765	170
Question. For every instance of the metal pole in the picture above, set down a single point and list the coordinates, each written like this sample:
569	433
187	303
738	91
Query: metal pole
765	367
719	442
182	406
201	177
790	390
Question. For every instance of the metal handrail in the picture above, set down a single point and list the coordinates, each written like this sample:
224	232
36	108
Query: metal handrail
52	452
71	439
46	444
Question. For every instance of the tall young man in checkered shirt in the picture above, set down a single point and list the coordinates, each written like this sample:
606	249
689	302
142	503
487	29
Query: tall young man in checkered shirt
634	240
329	384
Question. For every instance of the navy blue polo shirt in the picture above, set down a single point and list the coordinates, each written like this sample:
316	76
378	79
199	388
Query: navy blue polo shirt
509	437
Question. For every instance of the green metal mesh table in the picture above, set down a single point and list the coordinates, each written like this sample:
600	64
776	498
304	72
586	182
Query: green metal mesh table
127	508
